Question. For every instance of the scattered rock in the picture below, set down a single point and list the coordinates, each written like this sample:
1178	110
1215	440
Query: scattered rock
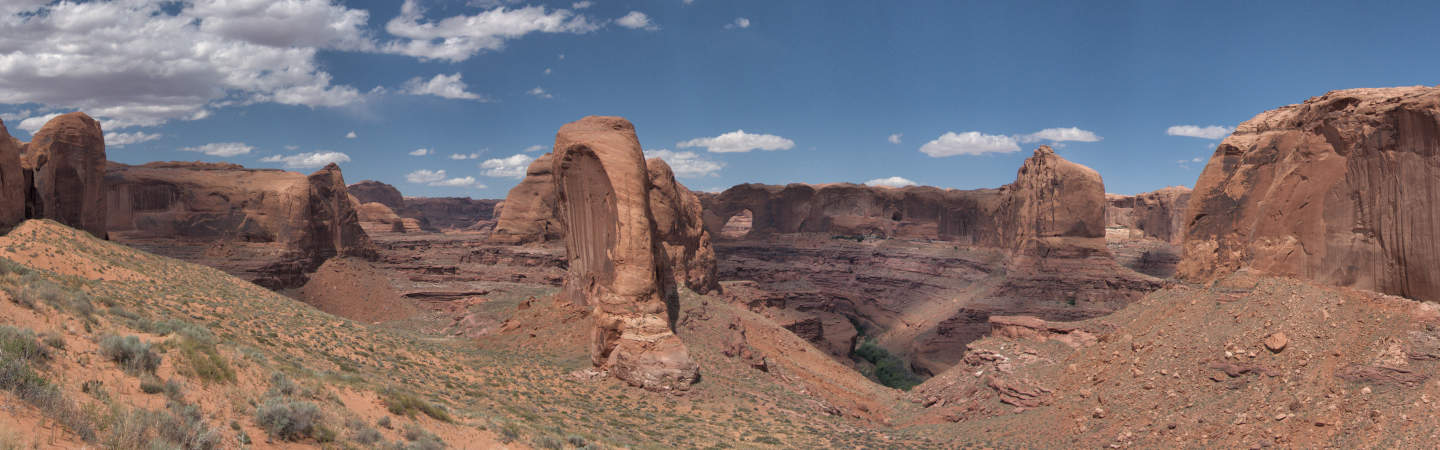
1276	342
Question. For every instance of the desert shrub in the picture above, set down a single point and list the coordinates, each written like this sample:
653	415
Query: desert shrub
361	433
204	359
421	439
17	376
131	353
577	441
281	386
151	384
890	370
286	419
7	266
404	404
53	340
22	344
548	442
178	426
384	422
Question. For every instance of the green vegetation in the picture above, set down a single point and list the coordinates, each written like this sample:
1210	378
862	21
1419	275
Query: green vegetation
889	370
405	404
130	353
288	419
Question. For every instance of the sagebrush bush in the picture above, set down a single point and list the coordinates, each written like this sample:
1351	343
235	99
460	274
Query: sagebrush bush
286	419
178	426
130	353
404	404
22	344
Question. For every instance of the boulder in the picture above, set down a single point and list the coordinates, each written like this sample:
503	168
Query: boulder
614	255
12	181
529	214
1341	189
67	158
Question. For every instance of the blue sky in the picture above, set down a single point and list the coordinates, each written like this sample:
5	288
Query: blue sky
952	94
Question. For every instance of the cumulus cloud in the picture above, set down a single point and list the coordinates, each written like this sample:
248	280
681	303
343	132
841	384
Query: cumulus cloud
1059	135
421	152
463	156
1210	132
895	182
686	164
308	160
539	92
445	86
33	124
221	149
740	22
535	148
581	5
969	143
113	139
351	135
511	167
637	20
145	62
458	38
439	178
739	141
894	138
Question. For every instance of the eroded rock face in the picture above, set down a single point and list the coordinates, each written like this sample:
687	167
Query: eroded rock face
67	157
680	231
1155	215
1054	208
292	221
916	212
1341	189
604	188
12	181
530	213
368	191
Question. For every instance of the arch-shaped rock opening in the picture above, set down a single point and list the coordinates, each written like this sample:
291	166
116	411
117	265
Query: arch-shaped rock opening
739	225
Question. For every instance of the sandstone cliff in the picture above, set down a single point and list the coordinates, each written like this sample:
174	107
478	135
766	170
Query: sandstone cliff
304	219
430	214
12	181
530	214
680	231
1156	215
613	252
67	159
1343	189
371	191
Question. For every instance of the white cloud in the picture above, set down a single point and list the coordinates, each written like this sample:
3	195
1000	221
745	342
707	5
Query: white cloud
422	152
739	141
145	62
1210	132
547	70
445	86
14	116
1196	159
221	149
969	143
688	2
686	164
458	38
33	124
539	92
1060	135
740	22
637	20
292	147
308	160
511	167
113	139
535	148
351	135
440	179
894	138
581	5
462	157
895	182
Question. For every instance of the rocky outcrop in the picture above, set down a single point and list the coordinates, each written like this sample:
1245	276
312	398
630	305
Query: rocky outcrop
684	243
1054	208
614	263
1154	215
530	214
12	181
371	191
375	218
1341	189
67	159
449	213
268	226
916	212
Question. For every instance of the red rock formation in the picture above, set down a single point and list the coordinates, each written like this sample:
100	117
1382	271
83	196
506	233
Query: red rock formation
1341	189
916	212
683	240
530	214
1054	208
1156	215
375	218
295	222
67	157
449	213
369	191
613	253
12	181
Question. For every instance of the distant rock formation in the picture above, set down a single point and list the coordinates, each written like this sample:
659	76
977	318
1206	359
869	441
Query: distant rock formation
306	219
1155	215
530	213
1341	189
915	212
375	218
1054	208
430	214
615	258
12	181
681	231
67	161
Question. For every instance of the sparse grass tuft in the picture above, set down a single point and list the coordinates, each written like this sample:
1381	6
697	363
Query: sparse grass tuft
131	353
405	404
